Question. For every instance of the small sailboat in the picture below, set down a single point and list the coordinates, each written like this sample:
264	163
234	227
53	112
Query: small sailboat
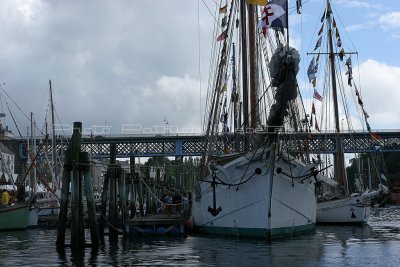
14	217
341	202
254	189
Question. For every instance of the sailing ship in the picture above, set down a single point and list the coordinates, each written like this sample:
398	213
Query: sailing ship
254	188
341	202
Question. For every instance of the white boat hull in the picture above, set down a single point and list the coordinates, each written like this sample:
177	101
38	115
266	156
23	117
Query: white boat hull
245	208
350	210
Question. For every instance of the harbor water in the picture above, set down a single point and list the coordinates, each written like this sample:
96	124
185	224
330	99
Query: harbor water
374	244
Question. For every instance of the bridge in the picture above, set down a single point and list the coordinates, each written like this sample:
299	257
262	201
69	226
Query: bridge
193	145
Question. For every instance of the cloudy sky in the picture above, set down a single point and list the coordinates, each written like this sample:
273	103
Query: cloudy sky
134	65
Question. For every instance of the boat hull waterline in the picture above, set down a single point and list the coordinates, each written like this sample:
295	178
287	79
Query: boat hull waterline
245	208
349	210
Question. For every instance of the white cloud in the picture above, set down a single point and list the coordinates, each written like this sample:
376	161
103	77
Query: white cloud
390	20
381	94
357	3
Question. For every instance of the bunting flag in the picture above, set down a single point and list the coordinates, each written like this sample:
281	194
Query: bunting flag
311	121
311	70
349	70
318	58
223	9
224	88
223	35
316	125
323	16
321	30
224	21
274	16
376	136
329	10
341	54
339	42
360	101
337	33
299	6
314	83
257	2
368	127
365	114
334	23
313	109
317	95
318	44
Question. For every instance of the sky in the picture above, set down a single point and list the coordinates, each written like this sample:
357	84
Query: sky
133	67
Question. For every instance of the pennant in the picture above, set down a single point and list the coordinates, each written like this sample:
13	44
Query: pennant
339	43
299	6
311	122
223	35
376	136
224	88
316	125
329	11
257	2
274	16
341	54
314	83
360	101
365	114
223	9
313	109
318	44
318	57
321	30
337	33
334	23
311	70
224	21
323	16
317	95
348	62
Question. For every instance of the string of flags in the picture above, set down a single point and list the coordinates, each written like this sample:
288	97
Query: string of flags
224	23
313	67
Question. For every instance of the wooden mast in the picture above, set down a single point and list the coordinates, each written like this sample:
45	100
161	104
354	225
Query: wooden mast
252	62
53	139
244	71
339	157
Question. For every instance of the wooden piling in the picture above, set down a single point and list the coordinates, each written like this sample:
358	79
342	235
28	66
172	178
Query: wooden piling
103	212
77	231
113	213
91	208
62	219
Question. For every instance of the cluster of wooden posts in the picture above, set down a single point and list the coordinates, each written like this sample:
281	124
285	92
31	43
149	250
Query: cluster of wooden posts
77	176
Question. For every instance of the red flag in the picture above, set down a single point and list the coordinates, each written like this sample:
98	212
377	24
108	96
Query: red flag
223	9
321	30
222	36
317	95
375	136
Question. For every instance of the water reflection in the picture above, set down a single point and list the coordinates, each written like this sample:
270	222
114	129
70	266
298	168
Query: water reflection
374	244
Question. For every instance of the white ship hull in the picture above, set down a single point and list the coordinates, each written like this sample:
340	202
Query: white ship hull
350	210
245	208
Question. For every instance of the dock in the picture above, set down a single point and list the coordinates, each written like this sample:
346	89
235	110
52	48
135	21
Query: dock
158	224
